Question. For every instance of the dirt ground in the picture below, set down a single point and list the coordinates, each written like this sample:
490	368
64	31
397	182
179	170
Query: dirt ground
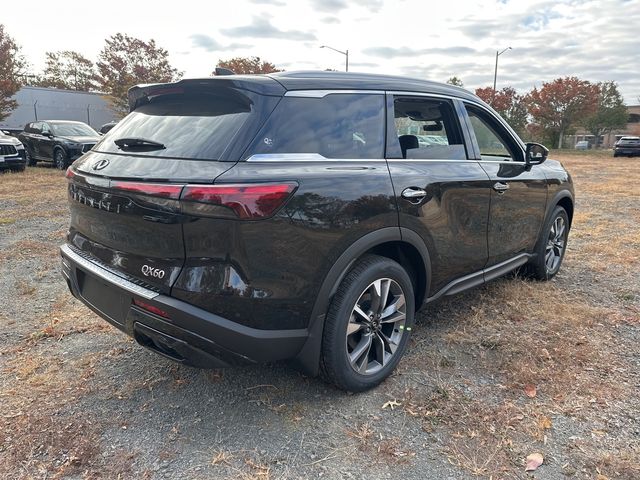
492	375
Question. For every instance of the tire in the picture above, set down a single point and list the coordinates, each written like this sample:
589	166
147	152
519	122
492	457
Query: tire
551	246
60	159
360	350
32	162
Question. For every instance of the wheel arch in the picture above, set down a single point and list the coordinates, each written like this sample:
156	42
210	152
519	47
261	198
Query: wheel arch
566	202
55	149
401	245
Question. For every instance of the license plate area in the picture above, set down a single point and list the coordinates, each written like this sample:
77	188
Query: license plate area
110	302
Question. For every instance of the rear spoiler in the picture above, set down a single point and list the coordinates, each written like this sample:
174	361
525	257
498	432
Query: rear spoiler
260	84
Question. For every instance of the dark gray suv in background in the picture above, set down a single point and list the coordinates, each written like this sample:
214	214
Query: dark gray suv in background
57	141
304	216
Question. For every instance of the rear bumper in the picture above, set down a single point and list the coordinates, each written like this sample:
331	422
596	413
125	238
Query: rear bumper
632	151
189	335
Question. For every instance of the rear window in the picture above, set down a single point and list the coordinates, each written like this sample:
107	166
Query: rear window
200	126
339	125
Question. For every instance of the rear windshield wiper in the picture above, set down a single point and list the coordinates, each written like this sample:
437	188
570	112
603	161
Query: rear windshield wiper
138	144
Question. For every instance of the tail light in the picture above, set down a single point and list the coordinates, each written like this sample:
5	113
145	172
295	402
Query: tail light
150	308
164	190
248	201
240	201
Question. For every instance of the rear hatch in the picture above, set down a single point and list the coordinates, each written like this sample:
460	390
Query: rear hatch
126	203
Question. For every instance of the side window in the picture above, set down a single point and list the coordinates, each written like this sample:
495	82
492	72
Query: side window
36	128
45	128
427	128
494	142
337	125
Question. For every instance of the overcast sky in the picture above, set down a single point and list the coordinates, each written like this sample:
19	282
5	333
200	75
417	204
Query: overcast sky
595	40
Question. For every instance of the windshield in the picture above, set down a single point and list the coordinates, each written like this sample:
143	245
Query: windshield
73	130
189	126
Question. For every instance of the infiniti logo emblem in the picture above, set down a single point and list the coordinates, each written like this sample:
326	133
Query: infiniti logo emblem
100	164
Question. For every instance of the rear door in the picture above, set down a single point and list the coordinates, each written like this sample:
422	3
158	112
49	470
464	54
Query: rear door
32	137
518	192
126	211
442	194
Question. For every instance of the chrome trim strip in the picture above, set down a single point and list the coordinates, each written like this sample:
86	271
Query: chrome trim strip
324	93
316	157
304	158
107	275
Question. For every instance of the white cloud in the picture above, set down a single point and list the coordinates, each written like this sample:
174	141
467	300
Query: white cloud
592	39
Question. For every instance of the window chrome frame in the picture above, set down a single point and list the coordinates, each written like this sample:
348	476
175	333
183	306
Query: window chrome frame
321	93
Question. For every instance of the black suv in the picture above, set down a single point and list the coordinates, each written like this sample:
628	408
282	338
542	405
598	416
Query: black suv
57	141
627	147
304	216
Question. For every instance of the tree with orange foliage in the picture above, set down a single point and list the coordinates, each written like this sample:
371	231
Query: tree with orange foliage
508	104
127	61
247	65
11	65
562	104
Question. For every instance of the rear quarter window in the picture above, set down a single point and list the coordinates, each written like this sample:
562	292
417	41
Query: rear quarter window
338	125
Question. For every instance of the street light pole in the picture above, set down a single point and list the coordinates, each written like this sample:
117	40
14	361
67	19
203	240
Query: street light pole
345	53
495	72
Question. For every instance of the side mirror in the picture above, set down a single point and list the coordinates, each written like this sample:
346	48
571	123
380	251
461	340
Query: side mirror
47	134
535	153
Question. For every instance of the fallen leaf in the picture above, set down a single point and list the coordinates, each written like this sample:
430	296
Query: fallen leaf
533	462
391	404
544	422
530	390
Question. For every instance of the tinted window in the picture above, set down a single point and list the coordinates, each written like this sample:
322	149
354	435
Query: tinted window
36	127
190	126
494	142
427	128
72	129
335	126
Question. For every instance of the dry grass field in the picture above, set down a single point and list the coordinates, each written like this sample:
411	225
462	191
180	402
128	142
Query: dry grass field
493	375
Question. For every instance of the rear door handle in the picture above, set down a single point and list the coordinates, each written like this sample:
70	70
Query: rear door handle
414	194
500	187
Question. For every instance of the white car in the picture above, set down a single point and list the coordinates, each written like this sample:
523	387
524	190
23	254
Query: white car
12	153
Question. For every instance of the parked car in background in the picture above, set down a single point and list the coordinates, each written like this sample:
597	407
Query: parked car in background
582	145
12	153
627	147
57	141
294	216
106	127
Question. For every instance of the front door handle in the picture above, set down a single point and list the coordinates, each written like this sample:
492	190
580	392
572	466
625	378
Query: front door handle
414	194
500	187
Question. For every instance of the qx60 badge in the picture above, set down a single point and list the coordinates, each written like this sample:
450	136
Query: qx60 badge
148	271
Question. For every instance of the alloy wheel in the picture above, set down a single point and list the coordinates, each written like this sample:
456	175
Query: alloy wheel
555	245
376	326
59	160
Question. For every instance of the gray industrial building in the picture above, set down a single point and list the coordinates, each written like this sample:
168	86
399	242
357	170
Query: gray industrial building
37	103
